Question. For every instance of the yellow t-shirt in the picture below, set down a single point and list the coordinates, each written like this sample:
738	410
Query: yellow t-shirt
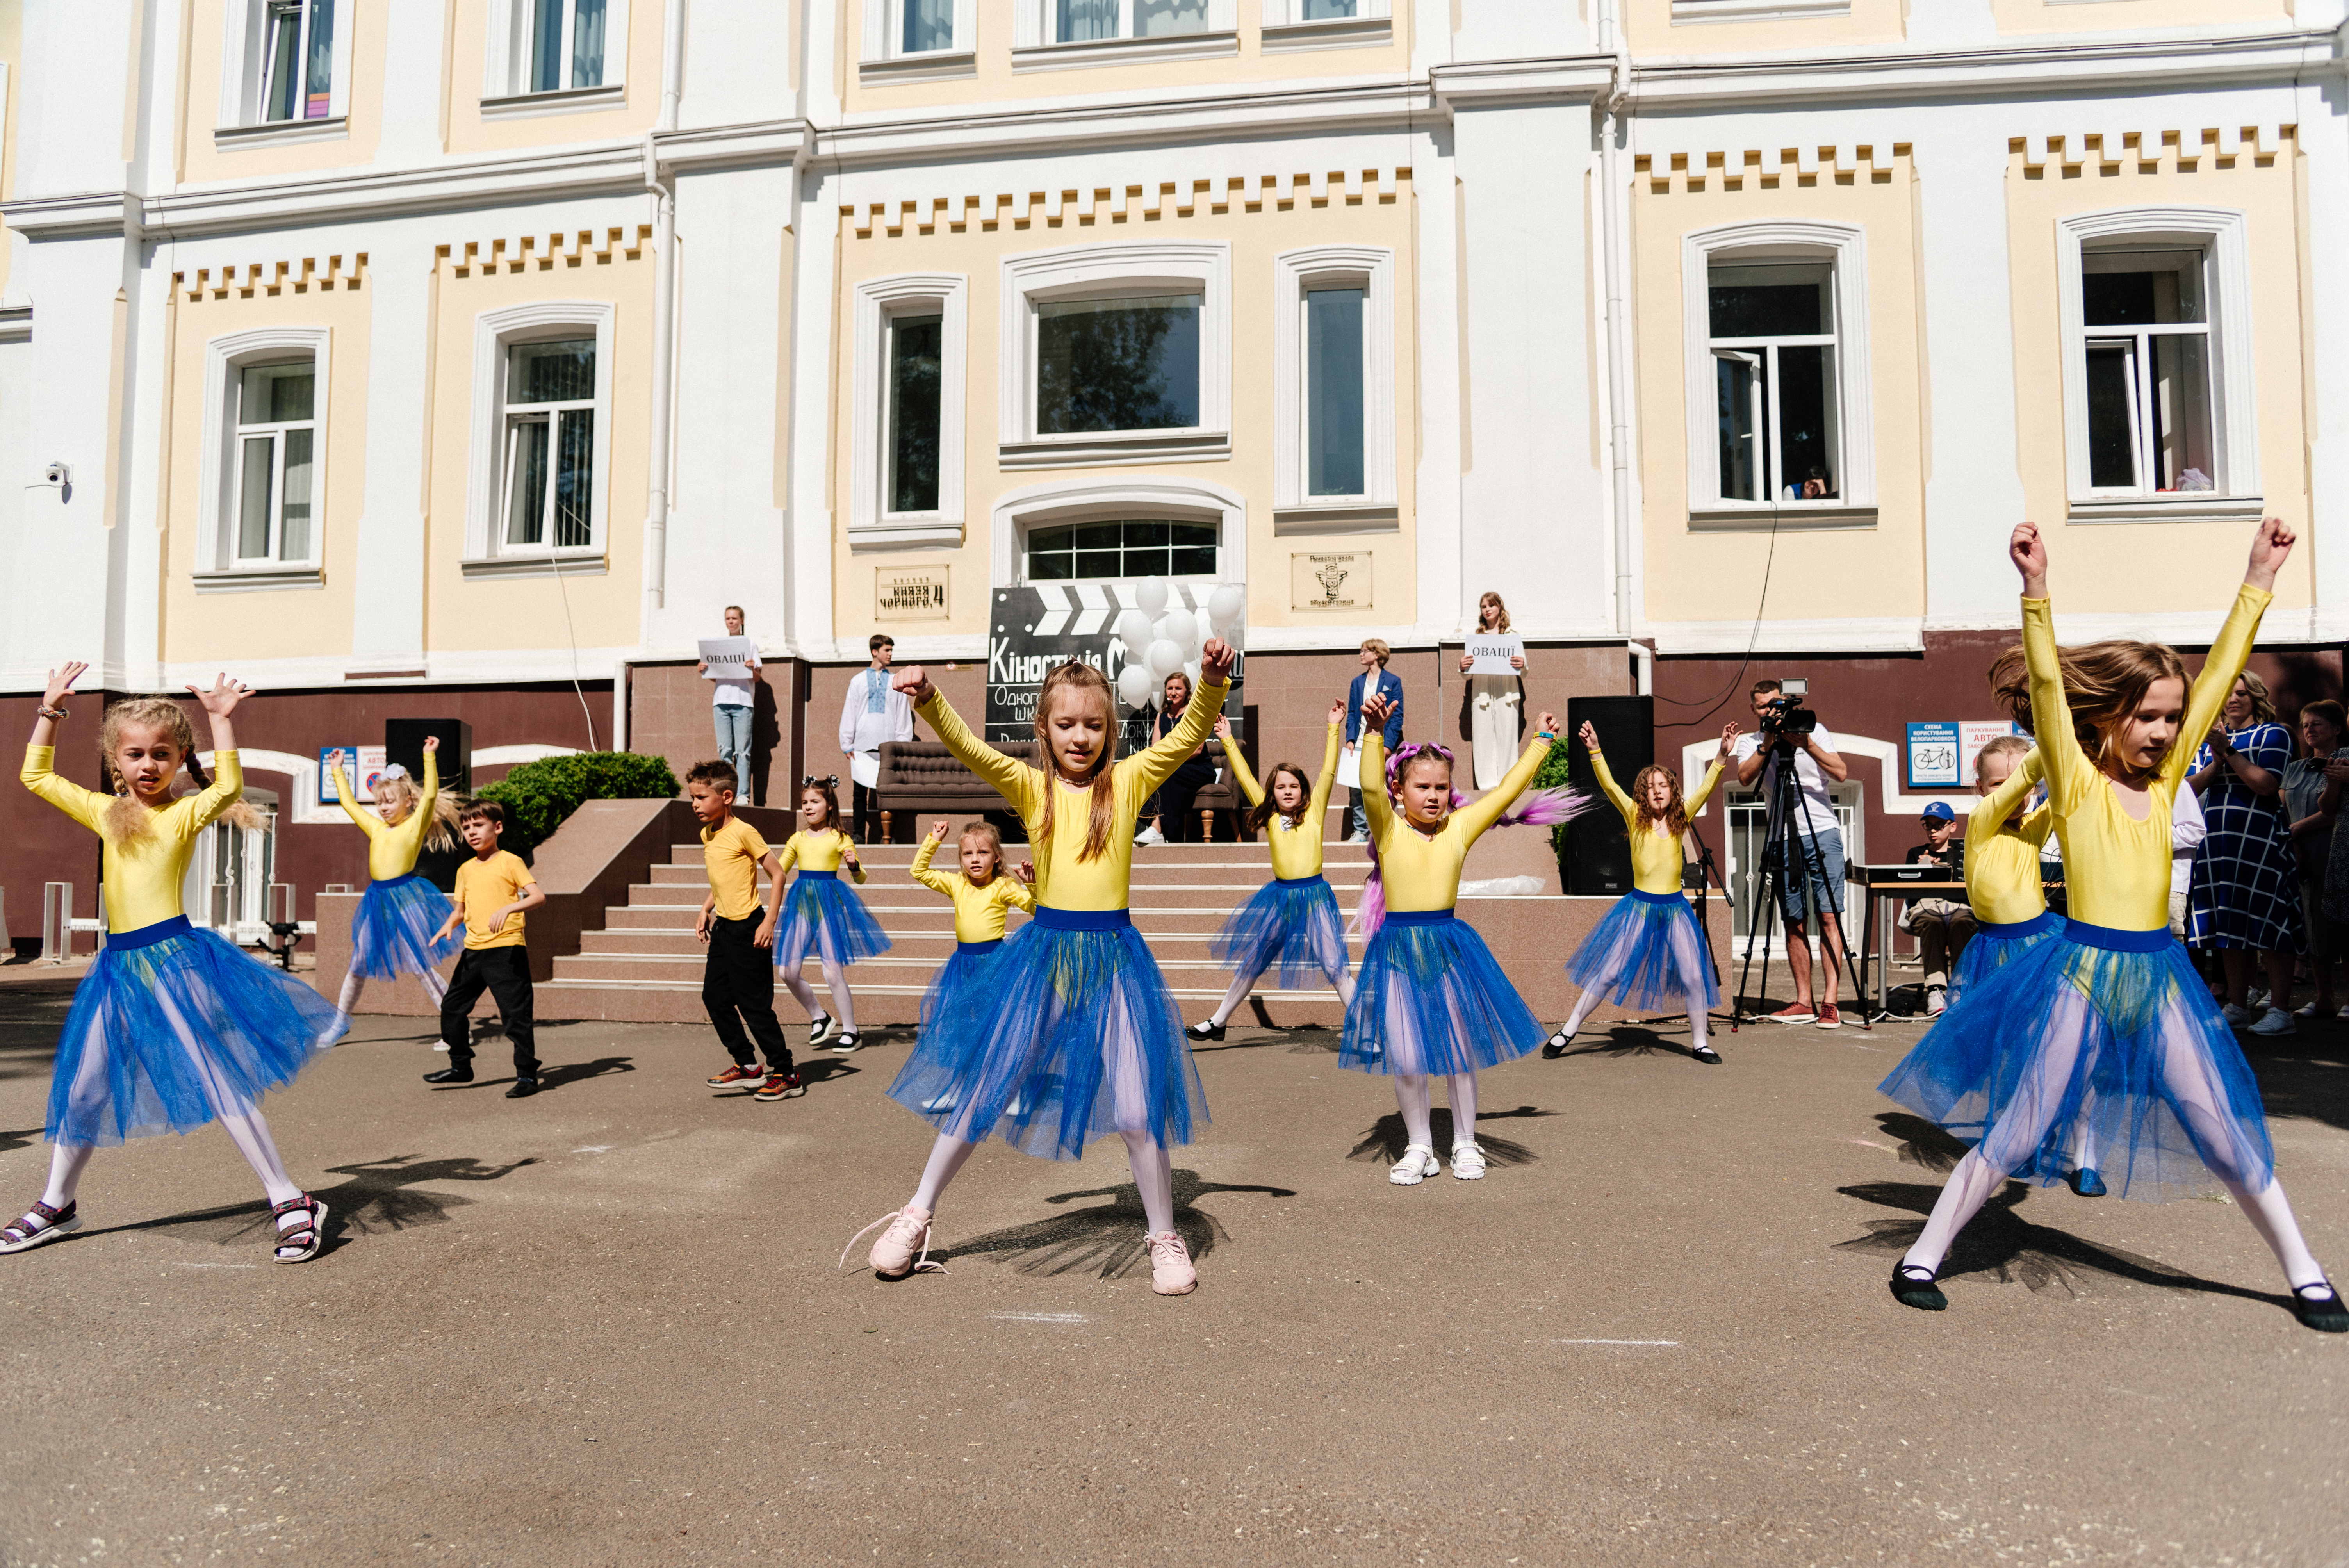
140	880
731	853
1422	872
2116	867
978	911
2002	877
392	848
819	852
487	886
1063	881
1295	850
1656	853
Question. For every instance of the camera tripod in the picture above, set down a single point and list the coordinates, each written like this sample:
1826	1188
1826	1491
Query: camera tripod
1789	840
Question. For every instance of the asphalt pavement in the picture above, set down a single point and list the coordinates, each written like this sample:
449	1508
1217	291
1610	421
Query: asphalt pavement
606	1325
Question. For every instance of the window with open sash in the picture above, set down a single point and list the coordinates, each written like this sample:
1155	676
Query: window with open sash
297	69
2147	331
1774	342
550	451
276	437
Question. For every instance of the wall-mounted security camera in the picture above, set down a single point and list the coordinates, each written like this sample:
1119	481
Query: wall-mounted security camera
58	474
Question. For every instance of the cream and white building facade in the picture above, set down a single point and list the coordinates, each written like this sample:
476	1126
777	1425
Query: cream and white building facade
469	356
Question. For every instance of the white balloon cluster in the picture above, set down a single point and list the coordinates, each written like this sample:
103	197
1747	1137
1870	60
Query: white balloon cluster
1159	641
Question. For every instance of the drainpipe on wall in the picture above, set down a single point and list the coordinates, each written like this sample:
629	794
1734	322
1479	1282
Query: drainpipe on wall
664	197
1614	223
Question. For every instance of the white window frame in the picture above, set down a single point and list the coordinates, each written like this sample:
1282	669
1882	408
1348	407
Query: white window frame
494	332
506	93
244	48
1035	49
278	433
871	525
1841	245
1286	27
225	361
1294	274
886	58
2223	236
1062	502
1093	270
1757	10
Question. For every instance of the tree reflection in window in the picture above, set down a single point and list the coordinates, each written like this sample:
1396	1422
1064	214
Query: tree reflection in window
1129	364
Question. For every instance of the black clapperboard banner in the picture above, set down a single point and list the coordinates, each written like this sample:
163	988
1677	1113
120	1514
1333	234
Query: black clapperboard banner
1050	623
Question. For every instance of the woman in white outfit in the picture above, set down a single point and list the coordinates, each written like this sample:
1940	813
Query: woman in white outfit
1493	702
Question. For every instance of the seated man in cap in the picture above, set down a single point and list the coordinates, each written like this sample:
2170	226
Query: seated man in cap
1940	925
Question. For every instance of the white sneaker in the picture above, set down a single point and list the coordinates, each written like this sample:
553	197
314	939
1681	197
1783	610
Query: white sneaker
2256	998
2276	1021
1467	1162
2235	1015
2313	1010
1150	836
1417	1164
440	1045
1937	1001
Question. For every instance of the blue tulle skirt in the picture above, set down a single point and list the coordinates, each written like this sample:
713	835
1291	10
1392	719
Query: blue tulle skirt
1074	1035
1648	953
1993	946
391	935
2099	1050
824	914
1430	999
1294	920
171	1028
959	988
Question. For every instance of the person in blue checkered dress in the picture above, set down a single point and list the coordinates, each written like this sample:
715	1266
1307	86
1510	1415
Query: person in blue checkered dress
2244	900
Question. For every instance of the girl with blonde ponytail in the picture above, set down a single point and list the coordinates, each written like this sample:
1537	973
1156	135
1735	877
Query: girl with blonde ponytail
174	1026
398	927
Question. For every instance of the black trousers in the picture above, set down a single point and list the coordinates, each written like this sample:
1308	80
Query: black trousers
737	986
504	974
1177	822
865	807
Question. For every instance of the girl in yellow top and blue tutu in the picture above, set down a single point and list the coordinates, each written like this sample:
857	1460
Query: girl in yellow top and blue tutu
1083	1036
1294	917
393	933
172	1027
1429	1001
1649	950
984	891
819	915
2106	1032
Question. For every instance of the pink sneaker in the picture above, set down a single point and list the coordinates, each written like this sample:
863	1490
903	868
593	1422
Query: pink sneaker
1171	1273
904	1247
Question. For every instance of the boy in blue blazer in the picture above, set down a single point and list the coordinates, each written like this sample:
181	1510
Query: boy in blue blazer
1374	681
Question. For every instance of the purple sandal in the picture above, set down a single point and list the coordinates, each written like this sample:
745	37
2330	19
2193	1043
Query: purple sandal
304	1240
40	1224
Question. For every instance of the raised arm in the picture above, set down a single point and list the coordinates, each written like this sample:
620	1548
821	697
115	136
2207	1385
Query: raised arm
1996	807
228	769
1378	810
1007	776
1246	780
1156	765
921	872
366	822
1606	777
1318	803
1694	803
2209	697
1016	891
86	807
1485	809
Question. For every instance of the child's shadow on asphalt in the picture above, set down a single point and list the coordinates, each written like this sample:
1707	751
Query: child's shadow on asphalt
1386	1140
378	1197
1106	1240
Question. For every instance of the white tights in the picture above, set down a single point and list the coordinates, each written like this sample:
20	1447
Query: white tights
246	1129
1154	1175
1688	954
835	978
2016	1136
434	987
1339	981
1415	1093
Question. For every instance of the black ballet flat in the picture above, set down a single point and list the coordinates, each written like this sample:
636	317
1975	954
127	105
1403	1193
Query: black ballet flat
1555	1047
1918	1287
1706	1055
2324	1313
2086	1183
1204	1030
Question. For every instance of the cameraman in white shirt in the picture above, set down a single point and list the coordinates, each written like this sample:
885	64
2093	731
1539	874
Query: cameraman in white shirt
1816	762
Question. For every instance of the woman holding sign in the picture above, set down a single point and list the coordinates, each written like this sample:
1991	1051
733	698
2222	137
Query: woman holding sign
1493	699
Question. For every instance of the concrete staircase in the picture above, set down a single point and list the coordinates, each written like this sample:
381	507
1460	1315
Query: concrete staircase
645	963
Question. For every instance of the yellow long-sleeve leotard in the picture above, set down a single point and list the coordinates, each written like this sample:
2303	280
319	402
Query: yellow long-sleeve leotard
1063	881
2117	868
1656	853
2002	877
978	911
1296	851
392	847
141	879
1422	871
818	851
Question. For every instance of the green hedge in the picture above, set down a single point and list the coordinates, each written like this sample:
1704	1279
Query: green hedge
537	795
1552	775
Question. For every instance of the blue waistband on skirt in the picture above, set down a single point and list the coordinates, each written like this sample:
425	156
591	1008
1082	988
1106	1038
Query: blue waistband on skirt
820	876
973	949
1082	918
2113	941
149	935
1417	916
2007	931
1299	882
401	880
1646	897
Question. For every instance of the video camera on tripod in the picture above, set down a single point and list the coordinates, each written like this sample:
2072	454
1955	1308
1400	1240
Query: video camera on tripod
1788	718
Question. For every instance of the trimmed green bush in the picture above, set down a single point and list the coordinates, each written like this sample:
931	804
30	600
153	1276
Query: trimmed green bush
537	795
1552	775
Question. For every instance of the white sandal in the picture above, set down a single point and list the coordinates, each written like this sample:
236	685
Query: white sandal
1417	1164
1467	1162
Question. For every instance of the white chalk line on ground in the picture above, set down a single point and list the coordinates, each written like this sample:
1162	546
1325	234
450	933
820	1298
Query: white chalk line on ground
185	1264
1039	1317
1672	1343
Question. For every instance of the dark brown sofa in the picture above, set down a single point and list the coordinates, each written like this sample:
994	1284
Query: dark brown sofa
923	776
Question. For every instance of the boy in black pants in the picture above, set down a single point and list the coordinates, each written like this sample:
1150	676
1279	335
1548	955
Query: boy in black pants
494	889
738	982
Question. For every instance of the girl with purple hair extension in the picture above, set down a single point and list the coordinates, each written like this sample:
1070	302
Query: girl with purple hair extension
1429	1000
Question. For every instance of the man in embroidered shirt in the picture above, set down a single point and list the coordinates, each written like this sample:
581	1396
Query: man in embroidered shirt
872	714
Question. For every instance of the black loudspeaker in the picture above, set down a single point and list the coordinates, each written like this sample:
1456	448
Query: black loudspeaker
403	742
1598	852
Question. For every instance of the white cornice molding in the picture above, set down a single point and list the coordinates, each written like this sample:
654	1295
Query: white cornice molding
84	214
1487	84
604	169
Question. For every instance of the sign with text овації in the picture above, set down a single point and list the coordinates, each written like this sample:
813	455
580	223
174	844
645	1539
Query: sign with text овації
1490	651
727	658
